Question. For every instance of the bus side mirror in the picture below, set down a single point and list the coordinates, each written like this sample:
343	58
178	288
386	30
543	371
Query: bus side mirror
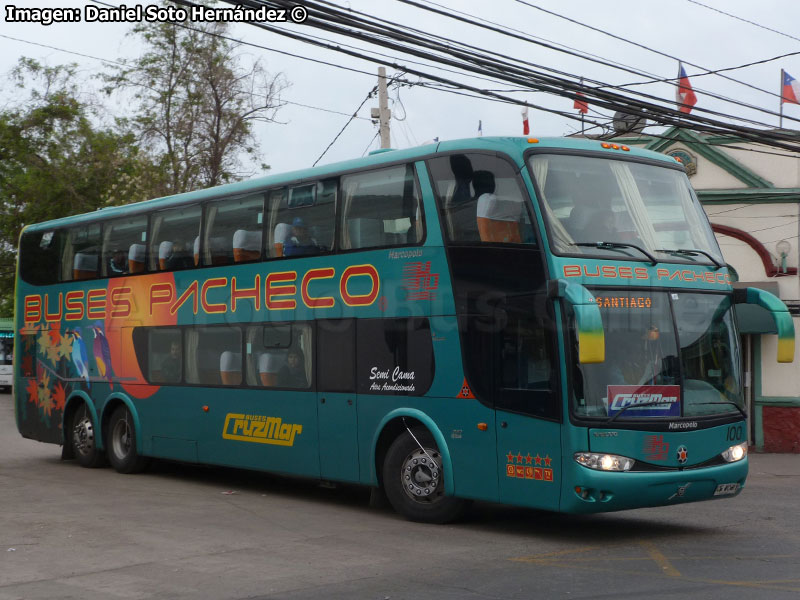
780	315
591	337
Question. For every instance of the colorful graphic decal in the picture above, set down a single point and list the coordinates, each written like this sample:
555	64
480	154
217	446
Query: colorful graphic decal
536	467
644	400
655	448
260	429
47	353
419	282
591	337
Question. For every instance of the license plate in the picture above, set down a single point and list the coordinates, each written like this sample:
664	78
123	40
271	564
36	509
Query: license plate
724	489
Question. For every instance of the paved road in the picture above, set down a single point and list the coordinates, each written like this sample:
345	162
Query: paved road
177	531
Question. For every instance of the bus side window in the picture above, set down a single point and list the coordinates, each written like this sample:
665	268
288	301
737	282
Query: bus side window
279	355
213	355
381	208
123	246
336	355
233	230
300	220
481	199
40	255
81	256
395	356
172	238
164	355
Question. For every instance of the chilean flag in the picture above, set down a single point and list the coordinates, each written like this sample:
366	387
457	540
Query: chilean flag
684	94
791	89
580	103
525	125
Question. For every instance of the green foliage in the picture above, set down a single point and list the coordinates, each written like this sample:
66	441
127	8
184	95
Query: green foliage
195	103
54	162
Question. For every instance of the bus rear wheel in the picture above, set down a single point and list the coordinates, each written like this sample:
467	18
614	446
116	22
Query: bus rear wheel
122	453
83	439
413	479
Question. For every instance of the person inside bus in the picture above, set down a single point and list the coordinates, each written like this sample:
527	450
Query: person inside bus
171	367
300	242
179	258
118	265
293	373
497	219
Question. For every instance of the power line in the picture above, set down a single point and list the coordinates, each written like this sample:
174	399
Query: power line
324	18
105	60
353	116
732	16
638	45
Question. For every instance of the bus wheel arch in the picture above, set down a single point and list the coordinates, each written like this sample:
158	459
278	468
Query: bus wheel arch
82	432
123	435
413	467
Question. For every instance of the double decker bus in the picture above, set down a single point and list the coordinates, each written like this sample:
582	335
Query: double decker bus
543	323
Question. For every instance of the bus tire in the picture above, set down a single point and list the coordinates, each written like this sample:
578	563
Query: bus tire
83	439
413	480
122	452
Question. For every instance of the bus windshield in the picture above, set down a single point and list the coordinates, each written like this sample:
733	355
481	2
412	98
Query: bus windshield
655	367
586	200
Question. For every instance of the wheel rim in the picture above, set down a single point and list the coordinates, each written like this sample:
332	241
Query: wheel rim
122	439
420	475
83	436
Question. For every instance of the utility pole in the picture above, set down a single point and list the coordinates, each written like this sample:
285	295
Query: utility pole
382	113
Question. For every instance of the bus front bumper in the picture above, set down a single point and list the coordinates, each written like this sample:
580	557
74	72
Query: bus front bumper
601	491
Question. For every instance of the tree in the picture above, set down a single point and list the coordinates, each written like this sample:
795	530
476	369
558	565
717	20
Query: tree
196	102
54	162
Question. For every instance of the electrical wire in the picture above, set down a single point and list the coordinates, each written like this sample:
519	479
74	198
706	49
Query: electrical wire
727	14
350	120
500	70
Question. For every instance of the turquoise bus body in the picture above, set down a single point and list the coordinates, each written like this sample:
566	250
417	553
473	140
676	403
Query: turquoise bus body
487	453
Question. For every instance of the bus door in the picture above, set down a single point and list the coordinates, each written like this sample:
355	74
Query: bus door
525	372
336	400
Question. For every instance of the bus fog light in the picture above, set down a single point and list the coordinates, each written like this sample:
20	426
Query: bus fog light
735	453
604	462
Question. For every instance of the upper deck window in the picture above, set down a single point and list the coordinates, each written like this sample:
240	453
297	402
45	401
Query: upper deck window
381	208
173	238
300	219
588	200
233	231
481	199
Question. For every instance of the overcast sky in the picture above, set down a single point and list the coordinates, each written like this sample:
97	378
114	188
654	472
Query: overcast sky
680	28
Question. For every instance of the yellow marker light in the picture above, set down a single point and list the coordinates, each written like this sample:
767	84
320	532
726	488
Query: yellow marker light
205	409
615	147
605	145
533	141
678	158
626	149
483	426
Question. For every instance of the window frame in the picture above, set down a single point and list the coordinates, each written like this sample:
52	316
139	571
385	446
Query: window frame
439	201
340	220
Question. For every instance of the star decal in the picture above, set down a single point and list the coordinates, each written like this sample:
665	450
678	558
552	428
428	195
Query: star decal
528	459
519	458
538	459
510	457
547	460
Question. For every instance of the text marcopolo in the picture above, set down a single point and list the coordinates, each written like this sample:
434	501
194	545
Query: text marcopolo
151	13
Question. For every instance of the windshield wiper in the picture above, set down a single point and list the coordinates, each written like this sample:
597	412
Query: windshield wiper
613	245
648	403
739	408
692	252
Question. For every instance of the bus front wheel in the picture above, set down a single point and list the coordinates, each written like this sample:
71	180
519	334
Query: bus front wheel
122	453
413	479
83	439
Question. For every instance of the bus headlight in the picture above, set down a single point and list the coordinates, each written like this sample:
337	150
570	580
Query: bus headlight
735	453
604	462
